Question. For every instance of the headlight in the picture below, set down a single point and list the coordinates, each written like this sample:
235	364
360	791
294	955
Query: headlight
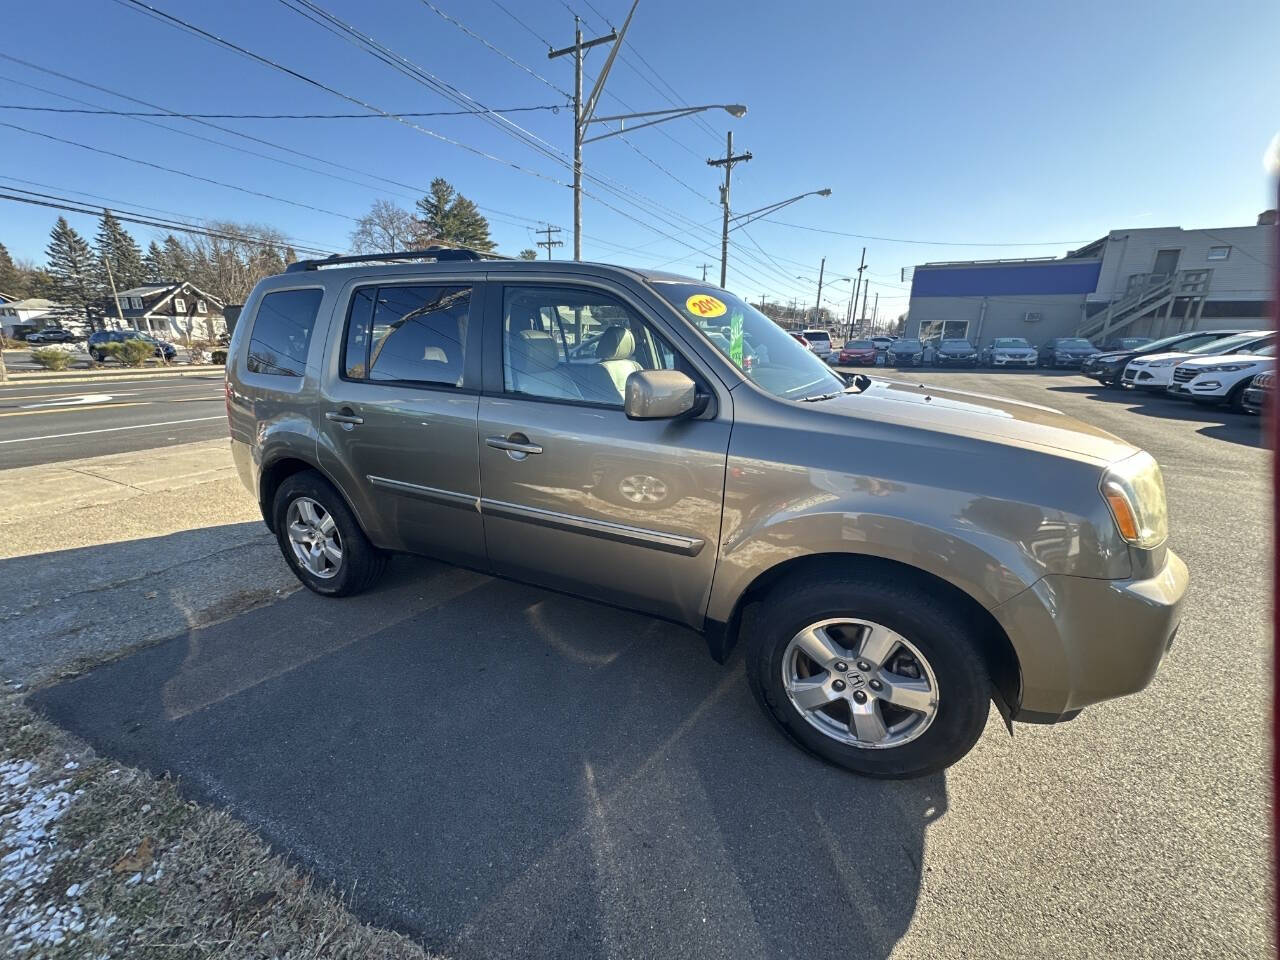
1164	363
1134	491
1225	368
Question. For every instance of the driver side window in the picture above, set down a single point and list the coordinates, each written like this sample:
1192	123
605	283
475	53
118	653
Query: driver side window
574	345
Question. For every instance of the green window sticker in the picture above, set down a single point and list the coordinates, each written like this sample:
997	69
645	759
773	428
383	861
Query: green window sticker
735	338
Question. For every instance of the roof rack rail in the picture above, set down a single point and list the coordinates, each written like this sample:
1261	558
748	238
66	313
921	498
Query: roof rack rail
430	253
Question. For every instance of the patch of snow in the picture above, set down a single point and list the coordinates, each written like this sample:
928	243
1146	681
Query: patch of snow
29	831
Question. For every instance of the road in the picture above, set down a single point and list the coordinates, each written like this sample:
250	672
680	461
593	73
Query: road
48	424
501	771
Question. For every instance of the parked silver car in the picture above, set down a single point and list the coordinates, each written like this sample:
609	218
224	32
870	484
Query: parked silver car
443	408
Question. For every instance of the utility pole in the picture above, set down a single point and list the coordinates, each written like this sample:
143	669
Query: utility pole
865	288
875	309
549	243
848	320
817	304
582	111
106	262
728	162
704	271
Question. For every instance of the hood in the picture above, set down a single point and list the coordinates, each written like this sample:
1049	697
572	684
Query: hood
1213	361
1147	358
982	417
1021	351
961	350
1115	356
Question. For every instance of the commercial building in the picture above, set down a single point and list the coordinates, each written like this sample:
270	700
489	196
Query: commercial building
1148	282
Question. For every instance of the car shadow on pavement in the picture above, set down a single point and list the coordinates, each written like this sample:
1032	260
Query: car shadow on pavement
498	770
1220	422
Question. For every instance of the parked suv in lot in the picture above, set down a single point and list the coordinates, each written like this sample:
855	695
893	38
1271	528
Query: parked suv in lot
1066	352
434	408
1108	368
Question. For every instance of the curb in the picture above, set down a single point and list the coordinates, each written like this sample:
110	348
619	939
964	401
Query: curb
99	376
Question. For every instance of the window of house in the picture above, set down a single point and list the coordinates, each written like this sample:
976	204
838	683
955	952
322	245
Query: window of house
1219	253
281	332
179	305
576	345
201	307
408	334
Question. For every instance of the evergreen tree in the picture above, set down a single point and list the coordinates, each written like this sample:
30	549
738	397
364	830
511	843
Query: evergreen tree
447	217
121	251
154	263
11	281
72	267
177	264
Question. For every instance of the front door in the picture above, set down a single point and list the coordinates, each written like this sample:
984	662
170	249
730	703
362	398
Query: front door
398	418
576	496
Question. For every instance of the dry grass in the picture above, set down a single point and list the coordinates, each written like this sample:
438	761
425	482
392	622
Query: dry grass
144	873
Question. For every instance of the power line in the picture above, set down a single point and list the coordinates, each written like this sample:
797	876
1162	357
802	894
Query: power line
927	243
181	173
72	206
554	108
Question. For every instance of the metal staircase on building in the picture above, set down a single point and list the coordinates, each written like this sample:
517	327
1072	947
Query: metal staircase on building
1147	294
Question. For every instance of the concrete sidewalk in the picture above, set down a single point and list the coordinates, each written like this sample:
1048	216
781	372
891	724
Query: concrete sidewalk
101	555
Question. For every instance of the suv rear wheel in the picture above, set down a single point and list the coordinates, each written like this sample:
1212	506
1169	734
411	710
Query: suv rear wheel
879	677
320	538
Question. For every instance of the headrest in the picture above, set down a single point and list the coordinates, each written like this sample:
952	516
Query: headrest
535	350
616	343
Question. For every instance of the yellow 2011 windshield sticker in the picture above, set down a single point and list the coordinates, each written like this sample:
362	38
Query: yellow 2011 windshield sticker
705	305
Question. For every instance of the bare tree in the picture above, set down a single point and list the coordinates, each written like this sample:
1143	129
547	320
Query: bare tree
386	228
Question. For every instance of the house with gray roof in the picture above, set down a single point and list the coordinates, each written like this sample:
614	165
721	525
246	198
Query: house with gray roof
169	310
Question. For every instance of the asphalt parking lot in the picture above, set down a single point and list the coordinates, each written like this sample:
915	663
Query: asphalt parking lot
503	771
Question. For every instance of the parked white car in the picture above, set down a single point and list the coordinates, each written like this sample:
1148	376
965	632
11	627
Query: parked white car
1222	379
1154	371
819	342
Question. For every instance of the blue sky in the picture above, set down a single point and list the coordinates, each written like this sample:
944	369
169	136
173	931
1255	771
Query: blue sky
974	124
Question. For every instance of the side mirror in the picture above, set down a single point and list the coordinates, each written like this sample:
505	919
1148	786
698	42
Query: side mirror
659	395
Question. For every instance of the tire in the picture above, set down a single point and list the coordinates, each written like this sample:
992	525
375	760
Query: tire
936	630
1235	399
360	563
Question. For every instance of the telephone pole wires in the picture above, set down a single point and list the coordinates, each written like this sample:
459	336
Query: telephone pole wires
549	243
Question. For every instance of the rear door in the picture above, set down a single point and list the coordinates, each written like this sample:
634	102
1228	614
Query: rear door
398	413
576	496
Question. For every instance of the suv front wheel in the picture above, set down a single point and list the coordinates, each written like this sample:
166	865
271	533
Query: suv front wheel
320	538
873	675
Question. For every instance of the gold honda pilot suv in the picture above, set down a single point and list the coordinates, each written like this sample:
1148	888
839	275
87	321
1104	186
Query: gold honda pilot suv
892	557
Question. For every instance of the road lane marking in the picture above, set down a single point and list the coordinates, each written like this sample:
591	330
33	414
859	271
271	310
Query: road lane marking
216	396
136	426
62	396
75	408
74	400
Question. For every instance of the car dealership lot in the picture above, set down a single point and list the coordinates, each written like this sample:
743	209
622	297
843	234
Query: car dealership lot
499	770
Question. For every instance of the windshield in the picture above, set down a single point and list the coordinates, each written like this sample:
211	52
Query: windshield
957	344
907	345
1181	341
1010	343
1225	345
1075	343
817	335
765	353
860	345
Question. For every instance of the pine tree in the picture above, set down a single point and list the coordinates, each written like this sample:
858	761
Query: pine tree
121	251
11	281
177	263
72	266
154	264
447	217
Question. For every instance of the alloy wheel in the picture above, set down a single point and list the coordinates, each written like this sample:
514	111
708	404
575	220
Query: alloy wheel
860	683
643	488
314	537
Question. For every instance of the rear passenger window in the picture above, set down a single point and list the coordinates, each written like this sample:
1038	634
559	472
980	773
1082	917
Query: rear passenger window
282	332
408	334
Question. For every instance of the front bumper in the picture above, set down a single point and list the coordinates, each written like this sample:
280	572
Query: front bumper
1254	399
1013	361
1144	379
1080	641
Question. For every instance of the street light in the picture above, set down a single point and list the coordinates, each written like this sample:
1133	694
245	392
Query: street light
584	110
733	109
744	218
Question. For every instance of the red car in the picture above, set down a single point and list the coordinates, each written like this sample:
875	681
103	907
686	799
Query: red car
800	340
857	353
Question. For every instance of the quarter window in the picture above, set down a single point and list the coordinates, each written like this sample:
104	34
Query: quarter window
282	332
408	334
576	345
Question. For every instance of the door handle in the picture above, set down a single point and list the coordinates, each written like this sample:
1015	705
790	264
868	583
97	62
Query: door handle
344	416
517	443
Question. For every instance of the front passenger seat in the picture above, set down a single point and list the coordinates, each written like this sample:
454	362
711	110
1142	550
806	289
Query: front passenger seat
615	355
